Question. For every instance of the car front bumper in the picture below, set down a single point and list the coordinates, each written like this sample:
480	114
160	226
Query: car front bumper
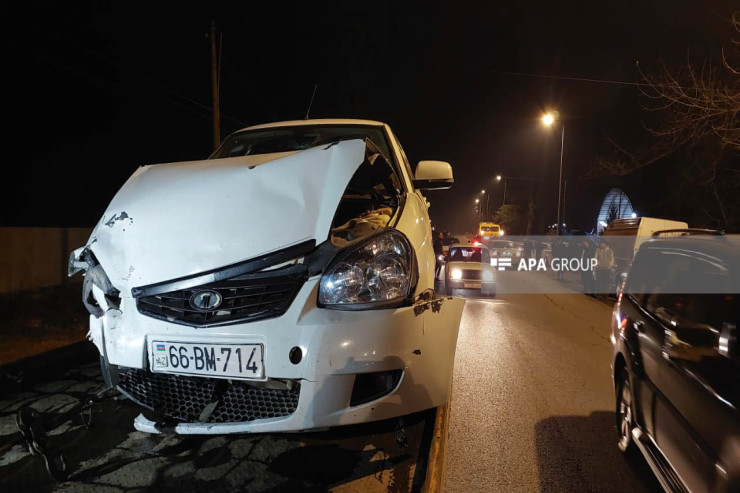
414	342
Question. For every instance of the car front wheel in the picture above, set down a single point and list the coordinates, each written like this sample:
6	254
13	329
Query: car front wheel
625	416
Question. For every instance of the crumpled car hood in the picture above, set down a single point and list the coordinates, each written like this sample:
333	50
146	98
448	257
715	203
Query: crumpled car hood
176	219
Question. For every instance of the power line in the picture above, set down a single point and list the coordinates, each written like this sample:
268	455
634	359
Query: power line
125	77
562	77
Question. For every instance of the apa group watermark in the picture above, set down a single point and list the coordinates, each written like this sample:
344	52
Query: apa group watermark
541	265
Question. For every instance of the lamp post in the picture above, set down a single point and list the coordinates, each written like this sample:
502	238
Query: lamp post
505	179
499	178
548	119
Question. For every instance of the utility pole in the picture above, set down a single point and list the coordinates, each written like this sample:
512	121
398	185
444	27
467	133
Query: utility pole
214	83
565	189
560	177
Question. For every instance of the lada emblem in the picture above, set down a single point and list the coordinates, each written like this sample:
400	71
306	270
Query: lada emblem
205	300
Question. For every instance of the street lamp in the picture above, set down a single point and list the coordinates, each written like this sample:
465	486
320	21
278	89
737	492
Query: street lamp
499	178
487	197
478	208
506	179
548	119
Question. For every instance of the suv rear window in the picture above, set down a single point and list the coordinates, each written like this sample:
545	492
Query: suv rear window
469	254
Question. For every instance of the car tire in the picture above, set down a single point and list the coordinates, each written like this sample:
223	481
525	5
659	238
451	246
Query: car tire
625	413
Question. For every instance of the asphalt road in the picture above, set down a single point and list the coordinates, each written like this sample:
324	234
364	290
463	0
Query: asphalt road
531	410
532	406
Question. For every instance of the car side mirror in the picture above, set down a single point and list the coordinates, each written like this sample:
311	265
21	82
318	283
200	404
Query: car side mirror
433	175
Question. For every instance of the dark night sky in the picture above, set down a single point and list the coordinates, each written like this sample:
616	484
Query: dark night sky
108	86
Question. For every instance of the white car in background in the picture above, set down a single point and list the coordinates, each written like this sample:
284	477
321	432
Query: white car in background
286	283
505	249
469	267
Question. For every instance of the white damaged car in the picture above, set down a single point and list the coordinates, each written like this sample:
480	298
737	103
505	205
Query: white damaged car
286	283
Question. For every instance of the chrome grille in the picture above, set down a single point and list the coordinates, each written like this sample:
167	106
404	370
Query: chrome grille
184	398
245	298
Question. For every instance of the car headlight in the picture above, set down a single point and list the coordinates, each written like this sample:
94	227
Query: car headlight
378	272
440	257
456	274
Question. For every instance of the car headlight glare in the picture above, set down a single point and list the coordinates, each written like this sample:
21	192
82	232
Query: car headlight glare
377	272
456	274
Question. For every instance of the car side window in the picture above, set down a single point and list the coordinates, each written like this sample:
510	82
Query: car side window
681	277
706	327
668	290
693	302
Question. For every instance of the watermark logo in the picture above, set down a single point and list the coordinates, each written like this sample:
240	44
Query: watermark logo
501	263
557	265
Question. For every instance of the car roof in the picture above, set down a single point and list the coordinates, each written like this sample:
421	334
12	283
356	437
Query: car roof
465	245
725	247
318	121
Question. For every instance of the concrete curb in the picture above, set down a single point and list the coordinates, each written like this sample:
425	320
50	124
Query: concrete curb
434	482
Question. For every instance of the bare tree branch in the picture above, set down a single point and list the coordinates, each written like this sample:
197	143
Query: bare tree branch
696	102
692	114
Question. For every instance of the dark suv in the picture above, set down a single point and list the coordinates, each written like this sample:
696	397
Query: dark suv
676	360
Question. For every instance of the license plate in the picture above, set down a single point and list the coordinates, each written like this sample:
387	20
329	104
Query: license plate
243	361
471	284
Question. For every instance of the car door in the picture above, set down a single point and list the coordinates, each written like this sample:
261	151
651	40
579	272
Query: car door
646	335
696	414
